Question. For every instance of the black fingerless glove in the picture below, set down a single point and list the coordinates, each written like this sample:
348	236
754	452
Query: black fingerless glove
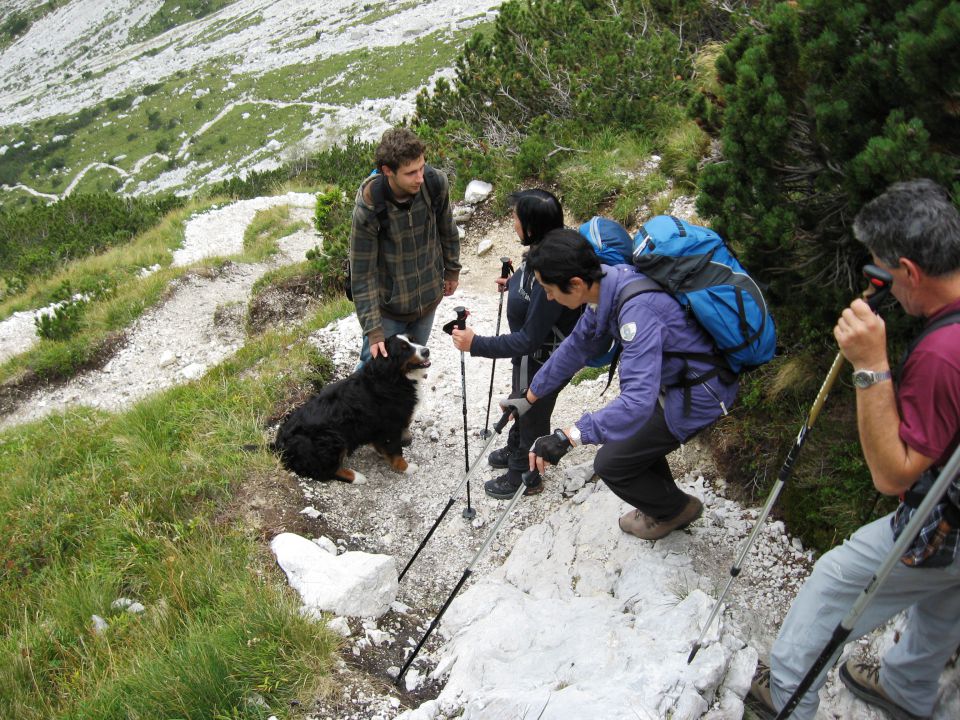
551	447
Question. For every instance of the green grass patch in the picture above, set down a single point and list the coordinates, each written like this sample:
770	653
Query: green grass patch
173	13
589	373
684	145
121	296
97	507
267	227
378	11
605	168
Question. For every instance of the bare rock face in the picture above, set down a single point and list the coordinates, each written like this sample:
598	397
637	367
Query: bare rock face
355	584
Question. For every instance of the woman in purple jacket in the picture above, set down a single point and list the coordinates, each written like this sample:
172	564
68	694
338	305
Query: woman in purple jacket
532	319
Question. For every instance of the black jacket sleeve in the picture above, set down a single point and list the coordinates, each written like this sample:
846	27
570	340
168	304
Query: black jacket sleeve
542	315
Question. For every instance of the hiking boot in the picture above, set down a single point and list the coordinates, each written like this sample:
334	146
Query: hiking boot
499	458
406	438
649	528
505	486
759	699
863	680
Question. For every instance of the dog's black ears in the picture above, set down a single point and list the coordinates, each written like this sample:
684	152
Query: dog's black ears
397	344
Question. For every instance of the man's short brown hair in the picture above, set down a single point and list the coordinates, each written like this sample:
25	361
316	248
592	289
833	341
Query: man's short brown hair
397	147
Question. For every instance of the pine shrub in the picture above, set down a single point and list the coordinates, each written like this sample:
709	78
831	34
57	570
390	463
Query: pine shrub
822	108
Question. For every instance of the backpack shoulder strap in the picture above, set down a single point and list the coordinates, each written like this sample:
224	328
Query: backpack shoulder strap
951	318
378	194
628	292
721	368
434	187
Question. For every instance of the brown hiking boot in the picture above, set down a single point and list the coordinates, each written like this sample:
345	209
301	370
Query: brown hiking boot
648	528
863	680
759	700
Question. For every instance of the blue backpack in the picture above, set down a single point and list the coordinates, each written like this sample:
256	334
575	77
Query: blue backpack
694	264
609	239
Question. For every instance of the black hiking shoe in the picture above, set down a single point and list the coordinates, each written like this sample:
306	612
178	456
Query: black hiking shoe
499	458
505	486
863	680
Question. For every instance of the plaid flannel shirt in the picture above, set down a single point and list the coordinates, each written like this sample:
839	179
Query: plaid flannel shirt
938	541
401	277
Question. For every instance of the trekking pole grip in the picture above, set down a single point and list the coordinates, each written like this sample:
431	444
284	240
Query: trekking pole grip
506	267
880	280
461	317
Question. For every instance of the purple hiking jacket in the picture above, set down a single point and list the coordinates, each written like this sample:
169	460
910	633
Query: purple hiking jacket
661	325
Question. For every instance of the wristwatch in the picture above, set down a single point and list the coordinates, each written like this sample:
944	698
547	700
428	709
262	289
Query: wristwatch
865	378
574	434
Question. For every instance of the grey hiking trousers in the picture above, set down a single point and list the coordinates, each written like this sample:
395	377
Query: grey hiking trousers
911	669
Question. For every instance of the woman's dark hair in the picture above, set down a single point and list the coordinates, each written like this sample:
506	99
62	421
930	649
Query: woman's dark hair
539	212
562	255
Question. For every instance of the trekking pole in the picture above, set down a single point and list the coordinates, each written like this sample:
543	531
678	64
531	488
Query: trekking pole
453	496
468	512
949	474
530	478
505	269
880	281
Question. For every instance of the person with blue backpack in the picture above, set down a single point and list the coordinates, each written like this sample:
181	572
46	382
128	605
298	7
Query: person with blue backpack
532	319
671	387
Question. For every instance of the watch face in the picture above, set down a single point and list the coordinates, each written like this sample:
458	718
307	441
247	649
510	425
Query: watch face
866	378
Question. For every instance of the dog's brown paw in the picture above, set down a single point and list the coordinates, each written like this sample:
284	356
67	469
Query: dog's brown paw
350	476
397	463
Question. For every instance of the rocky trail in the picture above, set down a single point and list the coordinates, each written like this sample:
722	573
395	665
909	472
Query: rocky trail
564	616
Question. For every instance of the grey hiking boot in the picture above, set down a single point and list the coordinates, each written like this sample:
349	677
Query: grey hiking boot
499	458
649	528
759	700
863	680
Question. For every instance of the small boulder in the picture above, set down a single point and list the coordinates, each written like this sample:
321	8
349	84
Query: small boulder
462	213
354	583
477	191
484	246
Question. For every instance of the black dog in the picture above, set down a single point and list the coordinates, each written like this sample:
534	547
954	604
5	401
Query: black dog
373	405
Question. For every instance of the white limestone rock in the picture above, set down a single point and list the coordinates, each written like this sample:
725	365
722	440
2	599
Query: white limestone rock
477	191
354	584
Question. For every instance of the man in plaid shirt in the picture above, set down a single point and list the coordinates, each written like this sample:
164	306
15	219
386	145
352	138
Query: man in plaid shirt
908	431
404	245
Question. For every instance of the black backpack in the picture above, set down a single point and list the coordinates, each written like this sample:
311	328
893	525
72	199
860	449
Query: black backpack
378	193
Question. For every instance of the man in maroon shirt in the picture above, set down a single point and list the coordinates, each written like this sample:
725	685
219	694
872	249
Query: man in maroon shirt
907	431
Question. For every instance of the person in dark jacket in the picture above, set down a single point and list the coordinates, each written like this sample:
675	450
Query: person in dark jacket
533	322
653	414
401	272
